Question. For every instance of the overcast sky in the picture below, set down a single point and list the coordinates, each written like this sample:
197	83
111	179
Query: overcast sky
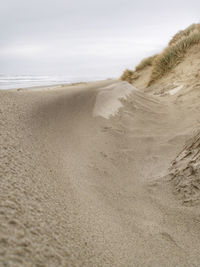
87	37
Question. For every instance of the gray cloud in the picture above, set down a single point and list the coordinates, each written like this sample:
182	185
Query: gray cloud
87	37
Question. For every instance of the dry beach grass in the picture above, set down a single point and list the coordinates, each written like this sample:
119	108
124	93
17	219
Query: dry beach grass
171	56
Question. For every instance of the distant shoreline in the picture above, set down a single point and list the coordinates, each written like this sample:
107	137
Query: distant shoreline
51	86
9	82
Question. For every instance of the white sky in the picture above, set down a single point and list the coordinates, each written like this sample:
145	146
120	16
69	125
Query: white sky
87	37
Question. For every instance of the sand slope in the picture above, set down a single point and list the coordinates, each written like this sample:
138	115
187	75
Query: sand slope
84	177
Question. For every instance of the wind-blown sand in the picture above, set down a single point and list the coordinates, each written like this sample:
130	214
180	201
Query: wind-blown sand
84	177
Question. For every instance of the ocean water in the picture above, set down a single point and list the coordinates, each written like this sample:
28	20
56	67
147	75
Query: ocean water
26	81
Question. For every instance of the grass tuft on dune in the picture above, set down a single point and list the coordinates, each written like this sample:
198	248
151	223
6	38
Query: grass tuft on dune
171	56
145	62
184	33
127	76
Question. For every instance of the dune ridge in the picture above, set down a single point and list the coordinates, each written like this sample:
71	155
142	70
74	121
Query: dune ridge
84	190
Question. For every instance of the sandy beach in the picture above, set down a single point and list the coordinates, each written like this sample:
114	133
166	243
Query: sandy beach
85	177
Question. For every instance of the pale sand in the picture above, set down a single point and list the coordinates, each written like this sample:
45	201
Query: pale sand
84	183
176	90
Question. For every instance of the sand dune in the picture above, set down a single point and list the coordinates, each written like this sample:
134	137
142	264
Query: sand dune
84	177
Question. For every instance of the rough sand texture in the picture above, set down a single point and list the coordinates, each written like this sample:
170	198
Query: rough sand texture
82	190
185	172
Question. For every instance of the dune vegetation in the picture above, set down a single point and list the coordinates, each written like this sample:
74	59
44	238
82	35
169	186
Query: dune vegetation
127	76
171	56
145	62
184	33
